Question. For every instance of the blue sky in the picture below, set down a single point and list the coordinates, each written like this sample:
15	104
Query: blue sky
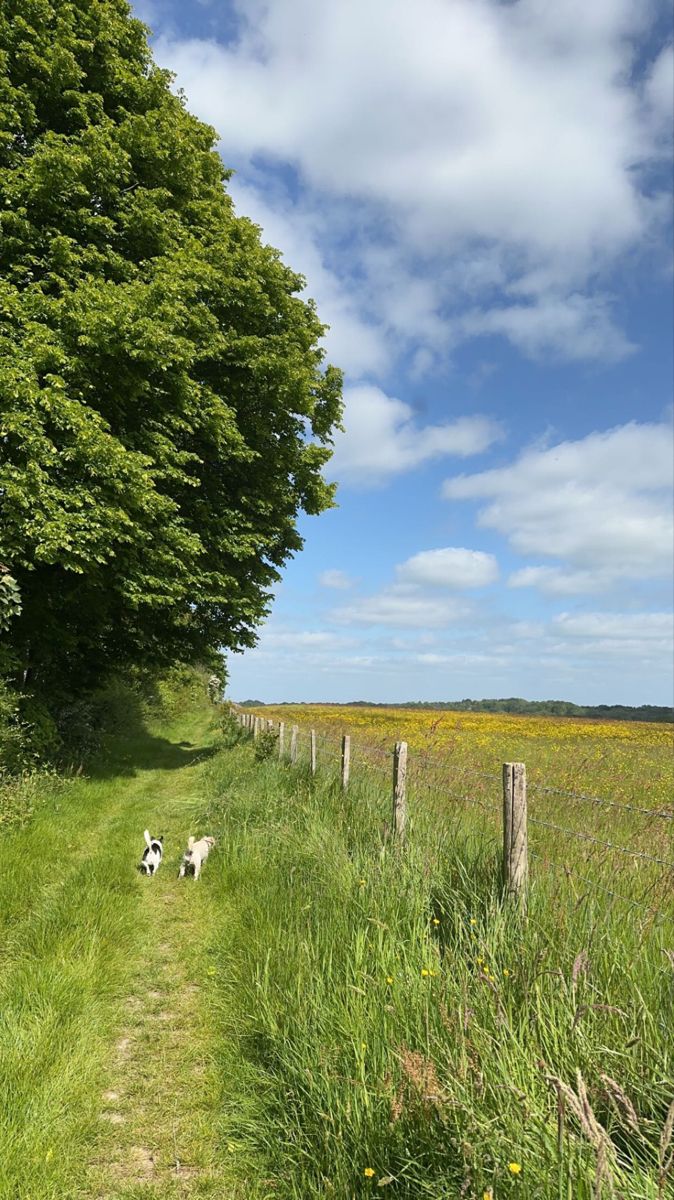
478	194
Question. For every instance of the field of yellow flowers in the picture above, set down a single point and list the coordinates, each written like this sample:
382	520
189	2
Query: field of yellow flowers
601	793
623	761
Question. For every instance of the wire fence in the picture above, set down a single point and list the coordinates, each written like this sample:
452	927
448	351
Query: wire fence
579	838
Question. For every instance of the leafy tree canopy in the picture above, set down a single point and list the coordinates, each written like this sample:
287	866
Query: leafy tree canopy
164	410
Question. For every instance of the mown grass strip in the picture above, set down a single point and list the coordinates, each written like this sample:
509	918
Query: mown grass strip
107	1029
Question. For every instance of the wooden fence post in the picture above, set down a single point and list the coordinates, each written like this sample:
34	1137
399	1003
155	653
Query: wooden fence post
346	760
270	726
281	736
256	726
399	798
293	744
312	750
515	861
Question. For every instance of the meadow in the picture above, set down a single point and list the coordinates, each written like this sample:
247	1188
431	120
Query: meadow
600	794
351	1019
413	1032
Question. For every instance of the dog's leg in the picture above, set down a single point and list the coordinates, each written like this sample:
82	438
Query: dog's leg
197	869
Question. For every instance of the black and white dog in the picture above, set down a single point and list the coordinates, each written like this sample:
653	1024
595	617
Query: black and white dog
152	855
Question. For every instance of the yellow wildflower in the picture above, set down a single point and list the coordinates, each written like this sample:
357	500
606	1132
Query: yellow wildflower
436	921
389	979
506	972
363	1045
368	1172
473	921
361	883
514	1168
424	971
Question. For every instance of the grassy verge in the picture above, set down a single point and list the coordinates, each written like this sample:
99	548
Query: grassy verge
108	1023
405	1033
313	1019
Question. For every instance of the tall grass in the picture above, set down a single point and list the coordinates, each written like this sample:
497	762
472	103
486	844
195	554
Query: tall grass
406	1032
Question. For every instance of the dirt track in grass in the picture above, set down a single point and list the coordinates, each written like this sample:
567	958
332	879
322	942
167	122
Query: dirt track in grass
109	1038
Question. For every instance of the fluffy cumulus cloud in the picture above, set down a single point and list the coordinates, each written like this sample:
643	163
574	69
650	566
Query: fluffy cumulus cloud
495	152
450	567
601	505
382	438
420	597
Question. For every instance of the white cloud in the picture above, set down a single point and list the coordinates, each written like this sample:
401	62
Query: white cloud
659	90
275	639
555	581
418	598
602	505
641	627
495	149
401	608
335	579
561	326
451	567
382	438
352	341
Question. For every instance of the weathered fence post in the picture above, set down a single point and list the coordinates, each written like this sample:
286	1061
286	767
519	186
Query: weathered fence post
312	750
293	744
399	798
515	860
270	726
346	760
257	721
281	736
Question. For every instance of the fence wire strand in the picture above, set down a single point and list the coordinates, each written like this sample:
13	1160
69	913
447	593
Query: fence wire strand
437	778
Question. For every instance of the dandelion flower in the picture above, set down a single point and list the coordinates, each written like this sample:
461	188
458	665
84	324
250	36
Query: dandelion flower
433	973
389	979
488	1195
368	1172
514	1168
361	883
424	971
479	961
506	972
473	921
436	921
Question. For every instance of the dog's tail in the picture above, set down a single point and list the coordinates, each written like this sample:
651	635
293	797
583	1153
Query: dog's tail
148	839
190	842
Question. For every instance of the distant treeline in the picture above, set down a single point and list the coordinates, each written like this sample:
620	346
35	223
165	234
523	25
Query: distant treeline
534	708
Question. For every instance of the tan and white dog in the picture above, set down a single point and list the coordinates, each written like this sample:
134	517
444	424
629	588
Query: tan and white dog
195	856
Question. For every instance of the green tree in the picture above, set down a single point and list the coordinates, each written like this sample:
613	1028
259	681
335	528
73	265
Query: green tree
165	413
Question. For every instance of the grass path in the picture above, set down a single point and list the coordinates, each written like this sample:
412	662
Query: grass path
109	1072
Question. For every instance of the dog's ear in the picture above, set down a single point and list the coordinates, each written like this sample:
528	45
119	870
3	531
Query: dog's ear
161	839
